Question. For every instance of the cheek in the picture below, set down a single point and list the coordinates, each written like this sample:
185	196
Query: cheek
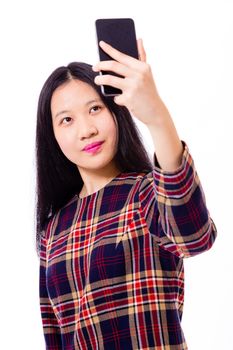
65	142
107	127
110	132
114	133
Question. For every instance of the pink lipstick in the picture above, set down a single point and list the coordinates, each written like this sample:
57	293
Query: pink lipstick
93	147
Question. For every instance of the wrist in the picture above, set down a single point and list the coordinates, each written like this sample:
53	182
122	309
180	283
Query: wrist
159	115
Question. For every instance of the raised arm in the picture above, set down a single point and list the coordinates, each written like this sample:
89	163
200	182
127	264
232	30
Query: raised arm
174	207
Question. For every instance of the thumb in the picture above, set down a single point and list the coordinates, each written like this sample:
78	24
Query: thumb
141	50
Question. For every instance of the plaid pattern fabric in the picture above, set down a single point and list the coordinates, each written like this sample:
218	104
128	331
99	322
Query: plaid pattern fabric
111	263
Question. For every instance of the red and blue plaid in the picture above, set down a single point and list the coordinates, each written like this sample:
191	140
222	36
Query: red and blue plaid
111	263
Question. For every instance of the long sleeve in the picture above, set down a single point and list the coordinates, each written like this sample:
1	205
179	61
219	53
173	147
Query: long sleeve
182	224
49	321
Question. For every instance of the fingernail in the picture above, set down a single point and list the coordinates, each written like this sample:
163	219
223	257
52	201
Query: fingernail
96	80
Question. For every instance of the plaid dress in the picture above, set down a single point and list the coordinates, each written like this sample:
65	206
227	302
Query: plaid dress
111	263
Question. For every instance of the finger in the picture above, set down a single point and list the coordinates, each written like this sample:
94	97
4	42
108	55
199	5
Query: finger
119	100
107	79
119	56
112	66
141	50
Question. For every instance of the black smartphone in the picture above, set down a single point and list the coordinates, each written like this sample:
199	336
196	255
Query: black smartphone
119	33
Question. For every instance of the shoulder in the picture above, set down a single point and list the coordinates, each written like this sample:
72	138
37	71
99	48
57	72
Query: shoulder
64	214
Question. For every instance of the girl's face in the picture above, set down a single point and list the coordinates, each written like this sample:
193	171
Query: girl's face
79	118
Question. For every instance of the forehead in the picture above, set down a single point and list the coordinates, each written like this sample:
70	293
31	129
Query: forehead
72	93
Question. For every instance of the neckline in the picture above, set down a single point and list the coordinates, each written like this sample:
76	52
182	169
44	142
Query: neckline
101	189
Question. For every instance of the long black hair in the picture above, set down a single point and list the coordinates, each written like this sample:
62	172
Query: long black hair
57	178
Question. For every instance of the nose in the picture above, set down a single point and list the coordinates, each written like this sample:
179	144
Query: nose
86	128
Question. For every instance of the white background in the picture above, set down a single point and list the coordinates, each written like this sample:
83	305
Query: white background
189	46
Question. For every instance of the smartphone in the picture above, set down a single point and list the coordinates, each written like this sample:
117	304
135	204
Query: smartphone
120	34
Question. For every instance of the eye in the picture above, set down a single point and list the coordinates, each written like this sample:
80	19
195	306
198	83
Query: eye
96	108
66	120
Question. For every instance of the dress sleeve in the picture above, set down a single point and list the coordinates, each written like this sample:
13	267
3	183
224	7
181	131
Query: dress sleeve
50	324
174	207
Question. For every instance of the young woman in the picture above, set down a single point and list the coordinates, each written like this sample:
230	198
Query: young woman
112	227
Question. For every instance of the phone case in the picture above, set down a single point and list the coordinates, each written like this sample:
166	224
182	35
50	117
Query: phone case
119	33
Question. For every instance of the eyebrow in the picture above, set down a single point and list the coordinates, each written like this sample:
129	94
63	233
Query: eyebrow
86	104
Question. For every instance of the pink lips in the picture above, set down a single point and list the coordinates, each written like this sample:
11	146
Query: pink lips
92	146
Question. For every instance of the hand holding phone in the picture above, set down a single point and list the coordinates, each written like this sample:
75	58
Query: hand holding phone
120	34
135	89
